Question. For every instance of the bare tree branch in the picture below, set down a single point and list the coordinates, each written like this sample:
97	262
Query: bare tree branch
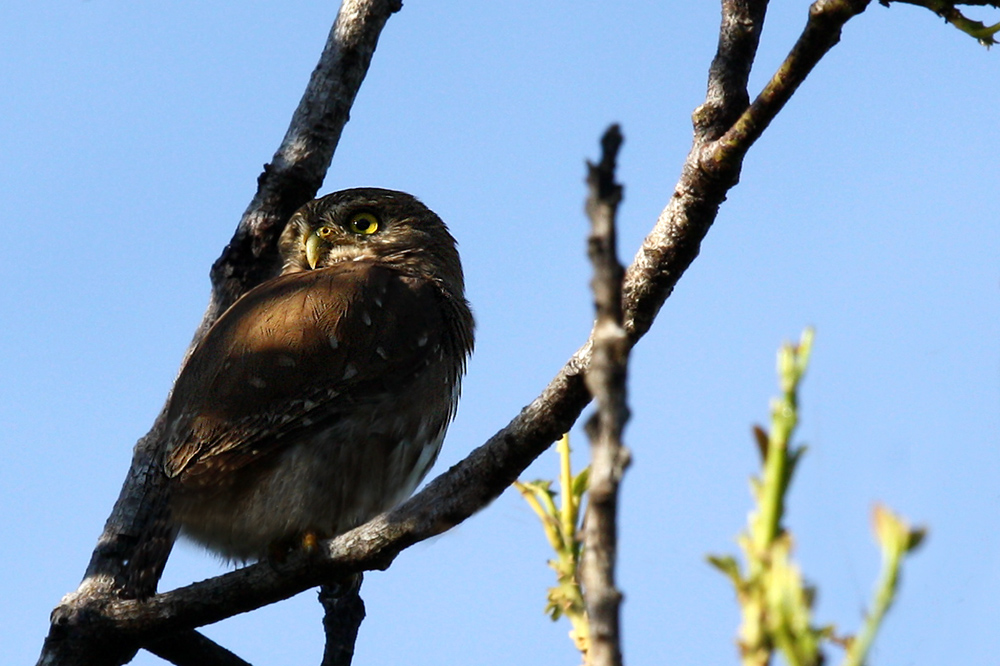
291	179
343	612
822	32
189	648
727	97
298	168
93	626
713	165
605	380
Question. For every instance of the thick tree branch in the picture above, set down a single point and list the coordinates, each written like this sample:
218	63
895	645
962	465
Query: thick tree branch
299	166
293	177
605	380
93	626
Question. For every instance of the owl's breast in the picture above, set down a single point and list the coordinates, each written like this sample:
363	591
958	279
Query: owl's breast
328	407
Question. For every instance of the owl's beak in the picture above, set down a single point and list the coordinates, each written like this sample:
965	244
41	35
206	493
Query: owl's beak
312	250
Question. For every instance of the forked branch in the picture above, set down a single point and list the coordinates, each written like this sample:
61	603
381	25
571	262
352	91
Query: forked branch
95	626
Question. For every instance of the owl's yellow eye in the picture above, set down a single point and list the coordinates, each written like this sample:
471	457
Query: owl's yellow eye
363	223
324	232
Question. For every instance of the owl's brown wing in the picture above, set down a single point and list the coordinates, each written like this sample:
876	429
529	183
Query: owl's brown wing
298	348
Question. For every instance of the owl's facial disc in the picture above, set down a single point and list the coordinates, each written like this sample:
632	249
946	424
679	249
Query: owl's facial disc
337	239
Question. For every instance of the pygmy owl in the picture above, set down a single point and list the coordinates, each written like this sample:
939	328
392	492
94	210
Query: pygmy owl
322	396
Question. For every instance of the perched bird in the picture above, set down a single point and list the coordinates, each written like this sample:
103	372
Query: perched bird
322	396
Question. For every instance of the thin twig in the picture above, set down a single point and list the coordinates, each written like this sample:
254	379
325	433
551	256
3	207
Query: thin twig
822	32
971	3
896	540
952	14
606	383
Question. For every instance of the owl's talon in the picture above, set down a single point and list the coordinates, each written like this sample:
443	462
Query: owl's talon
279	552
277	556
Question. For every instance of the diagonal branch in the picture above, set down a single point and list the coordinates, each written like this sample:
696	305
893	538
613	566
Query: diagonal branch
822	32
296	172
713	165
189	648
291	179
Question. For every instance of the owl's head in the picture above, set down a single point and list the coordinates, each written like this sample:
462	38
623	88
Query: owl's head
371	224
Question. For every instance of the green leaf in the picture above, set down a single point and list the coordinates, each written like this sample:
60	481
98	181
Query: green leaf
728	566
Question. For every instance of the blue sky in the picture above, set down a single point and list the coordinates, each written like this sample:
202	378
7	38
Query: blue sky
132	135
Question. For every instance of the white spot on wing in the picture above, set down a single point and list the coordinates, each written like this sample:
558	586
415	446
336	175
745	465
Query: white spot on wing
381	352
350	371
422	340
334	342
365	317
